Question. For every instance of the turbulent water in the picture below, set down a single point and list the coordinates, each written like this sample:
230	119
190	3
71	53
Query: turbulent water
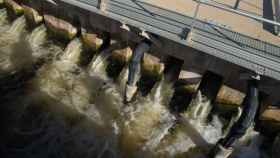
69	110
3	20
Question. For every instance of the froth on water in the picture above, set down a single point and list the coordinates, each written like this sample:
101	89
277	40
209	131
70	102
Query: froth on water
67	110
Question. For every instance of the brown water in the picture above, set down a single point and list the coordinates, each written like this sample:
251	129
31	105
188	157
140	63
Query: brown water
62	109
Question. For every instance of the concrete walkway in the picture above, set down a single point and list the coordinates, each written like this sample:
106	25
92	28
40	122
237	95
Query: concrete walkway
244	25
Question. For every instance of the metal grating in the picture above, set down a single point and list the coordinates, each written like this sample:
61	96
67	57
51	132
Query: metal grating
90	2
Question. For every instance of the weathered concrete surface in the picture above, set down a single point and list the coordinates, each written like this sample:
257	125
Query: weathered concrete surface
92	40
123	56
14	7
226	95
230	96
189	80
270	120
152	66
32	16
271	114
60	27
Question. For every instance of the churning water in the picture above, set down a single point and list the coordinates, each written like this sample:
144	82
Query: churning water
67	110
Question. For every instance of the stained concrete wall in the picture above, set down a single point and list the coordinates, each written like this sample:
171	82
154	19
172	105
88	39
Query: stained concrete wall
194	60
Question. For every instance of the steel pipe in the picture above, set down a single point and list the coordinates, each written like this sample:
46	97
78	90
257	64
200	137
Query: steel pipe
251	105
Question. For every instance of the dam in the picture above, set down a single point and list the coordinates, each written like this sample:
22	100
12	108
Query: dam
139	78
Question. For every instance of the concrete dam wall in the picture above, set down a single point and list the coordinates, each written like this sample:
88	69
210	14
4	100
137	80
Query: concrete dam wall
78	84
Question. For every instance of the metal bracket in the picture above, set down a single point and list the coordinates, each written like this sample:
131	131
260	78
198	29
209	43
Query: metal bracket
151	37
125	27
247	76
144	34
185	33
259	70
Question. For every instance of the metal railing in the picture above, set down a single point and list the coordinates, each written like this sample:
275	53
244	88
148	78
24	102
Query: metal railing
238	12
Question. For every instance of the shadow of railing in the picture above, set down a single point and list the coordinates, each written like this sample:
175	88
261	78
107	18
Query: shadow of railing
268	14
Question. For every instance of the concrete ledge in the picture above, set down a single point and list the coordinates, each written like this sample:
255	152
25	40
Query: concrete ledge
270	120
91	41
271	114
60	28
123	55
14	7
229	96
33	17
152	66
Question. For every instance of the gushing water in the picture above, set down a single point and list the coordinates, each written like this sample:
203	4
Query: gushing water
20	50
3	16
38	36
18	26
3	20
70	111
147	121
11	47
12	34
193	135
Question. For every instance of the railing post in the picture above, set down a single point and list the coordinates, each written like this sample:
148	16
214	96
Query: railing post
102	5
277	16
188	34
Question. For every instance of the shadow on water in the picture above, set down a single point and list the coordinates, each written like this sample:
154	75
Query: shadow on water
38	125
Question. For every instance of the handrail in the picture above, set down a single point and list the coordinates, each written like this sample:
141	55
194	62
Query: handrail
206	2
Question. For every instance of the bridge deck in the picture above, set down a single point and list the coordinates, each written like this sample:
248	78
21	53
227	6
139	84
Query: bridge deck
222	34
238	23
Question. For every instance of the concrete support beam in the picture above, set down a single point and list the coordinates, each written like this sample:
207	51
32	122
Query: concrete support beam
230	96
91	40
210	85
271	114
270	120
173	68
60	28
